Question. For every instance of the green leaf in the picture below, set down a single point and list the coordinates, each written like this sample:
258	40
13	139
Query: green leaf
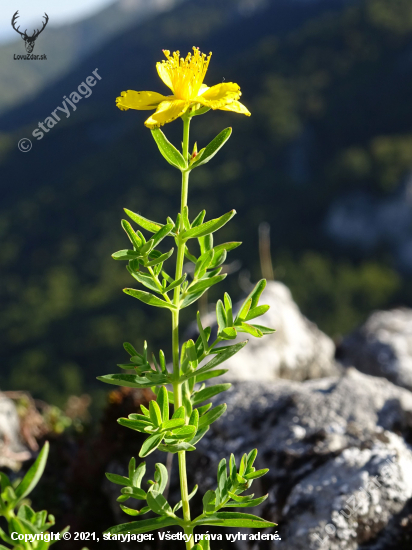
204	284
126	255
179	413
176	283
185	217
132	511
228	333
251	457
4	481
148	298
163	402
218	259
185	432
162	233
203	263
119	480
137	425
169	151
264	330
253	298
130	349
190	256
132	467
208	227
158	504
25	512
213	147
153	227
221	315
244	310
134	238
257	312
255	475
171	424
209	392
144	526
131	380
161	477
155	414
190	298
177	447
209	501
234	519
212	415
144	279
250	329
199	218
160	259
221	480
210	374
245	502
138	475
199	434
150	445
31	479
134	492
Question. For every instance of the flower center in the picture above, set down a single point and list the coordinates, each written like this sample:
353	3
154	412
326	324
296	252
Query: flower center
186	75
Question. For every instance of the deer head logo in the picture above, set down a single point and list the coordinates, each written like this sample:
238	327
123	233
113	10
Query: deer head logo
29	40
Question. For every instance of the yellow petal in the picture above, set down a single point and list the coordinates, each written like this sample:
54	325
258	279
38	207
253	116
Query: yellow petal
167	112
236	107
139	100
218	96
164	73
203	88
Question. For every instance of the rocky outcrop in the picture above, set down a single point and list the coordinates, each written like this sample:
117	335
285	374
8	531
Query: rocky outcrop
12	450
382	346
337	448
298	350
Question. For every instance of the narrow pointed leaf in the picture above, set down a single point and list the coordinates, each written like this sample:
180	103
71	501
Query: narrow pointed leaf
134	239
212	415
163	402
148	298
145	279
126	255
153	227
235	519
208	227
168	150
209	392
160	259
213	147
31	479
119	480
257	312
150	445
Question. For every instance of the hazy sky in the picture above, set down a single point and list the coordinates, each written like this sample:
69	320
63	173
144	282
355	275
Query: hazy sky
31	12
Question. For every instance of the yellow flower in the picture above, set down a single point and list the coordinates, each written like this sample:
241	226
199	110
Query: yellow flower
185	78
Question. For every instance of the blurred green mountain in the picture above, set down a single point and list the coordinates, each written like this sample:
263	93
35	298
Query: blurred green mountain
329	87
65	46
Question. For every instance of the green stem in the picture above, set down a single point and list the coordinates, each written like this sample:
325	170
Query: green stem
177	386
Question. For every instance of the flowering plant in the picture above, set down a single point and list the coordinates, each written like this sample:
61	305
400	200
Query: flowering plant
191	418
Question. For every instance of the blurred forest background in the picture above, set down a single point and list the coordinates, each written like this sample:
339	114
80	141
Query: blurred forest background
325	159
